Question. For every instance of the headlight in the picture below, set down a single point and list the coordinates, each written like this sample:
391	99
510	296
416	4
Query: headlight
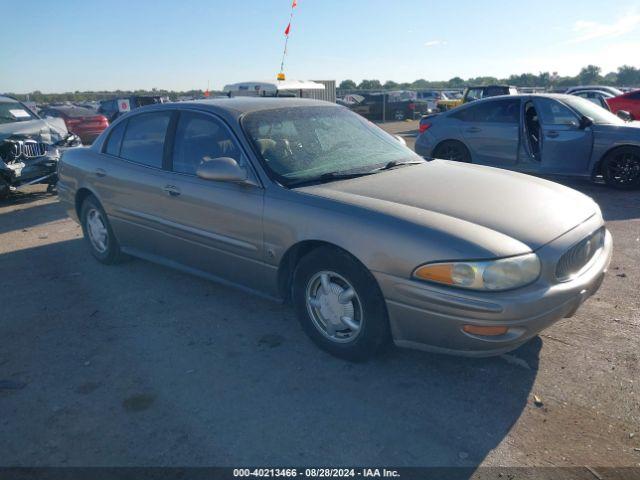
502	274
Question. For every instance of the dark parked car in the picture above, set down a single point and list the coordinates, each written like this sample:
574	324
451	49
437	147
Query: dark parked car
85	123
114	107
305	200
547	134
399	105
30	147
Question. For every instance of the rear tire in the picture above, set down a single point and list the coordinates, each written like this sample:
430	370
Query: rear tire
98	233
621	168
452	150
339	304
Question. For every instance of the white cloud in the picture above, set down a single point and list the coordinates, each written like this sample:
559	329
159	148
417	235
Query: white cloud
435	43
589	30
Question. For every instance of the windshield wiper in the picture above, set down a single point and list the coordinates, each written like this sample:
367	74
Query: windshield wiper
397	163
331	176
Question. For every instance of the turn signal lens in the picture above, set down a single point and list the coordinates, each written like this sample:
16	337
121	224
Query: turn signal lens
502	274
485	331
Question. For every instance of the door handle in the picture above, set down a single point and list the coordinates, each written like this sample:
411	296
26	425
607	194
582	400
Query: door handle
552	134
171	190
473	129
100	172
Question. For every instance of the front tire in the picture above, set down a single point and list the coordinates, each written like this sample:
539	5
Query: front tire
621	168
452	150
98	233
339	304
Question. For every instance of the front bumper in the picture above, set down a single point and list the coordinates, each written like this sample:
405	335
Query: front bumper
430	317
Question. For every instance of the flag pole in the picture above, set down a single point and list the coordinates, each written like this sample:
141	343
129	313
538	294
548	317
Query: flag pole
281	75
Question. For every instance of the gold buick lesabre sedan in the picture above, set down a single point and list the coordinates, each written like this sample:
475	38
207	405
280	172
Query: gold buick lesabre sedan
306	201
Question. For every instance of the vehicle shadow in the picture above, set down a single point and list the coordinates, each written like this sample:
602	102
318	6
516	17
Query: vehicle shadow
143	365
20	219
615	204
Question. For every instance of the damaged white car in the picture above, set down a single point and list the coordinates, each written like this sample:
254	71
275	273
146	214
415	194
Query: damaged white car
29	147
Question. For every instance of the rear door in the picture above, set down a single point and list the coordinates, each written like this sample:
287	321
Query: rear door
131	182
565	146
218	224
491	130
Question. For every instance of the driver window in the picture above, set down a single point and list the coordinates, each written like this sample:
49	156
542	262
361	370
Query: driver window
553	112
200	137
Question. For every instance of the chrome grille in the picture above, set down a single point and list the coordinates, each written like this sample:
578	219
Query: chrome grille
578	256
32	149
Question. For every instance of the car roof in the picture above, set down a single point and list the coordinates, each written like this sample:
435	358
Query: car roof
558	96
6	98
238	106
499	85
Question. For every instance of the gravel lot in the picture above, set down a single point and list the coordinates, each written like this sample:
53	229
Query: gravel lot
140	365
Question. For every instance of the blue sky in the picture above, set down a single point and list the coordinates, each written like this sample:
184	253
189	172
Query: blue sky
70	45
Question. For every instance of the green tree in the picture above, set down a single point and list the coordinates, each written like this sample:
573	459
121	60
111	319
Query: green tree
390	85
347	85
589	74
370	85
628	75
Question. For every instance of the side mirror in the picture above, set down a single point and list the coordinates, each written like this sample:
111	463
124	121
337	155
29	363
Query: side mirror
585	122
401	140
221	169
624	115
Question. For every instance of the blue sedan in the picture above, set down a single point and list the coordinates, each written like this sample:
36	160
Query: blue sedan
542	134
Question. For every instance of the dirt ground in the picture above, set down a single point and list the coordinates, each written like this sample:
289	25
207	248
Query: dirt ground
136	365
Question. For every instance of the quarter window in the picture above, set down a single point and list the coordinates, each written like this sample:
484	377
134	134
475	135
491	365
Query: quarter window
144	138
200	138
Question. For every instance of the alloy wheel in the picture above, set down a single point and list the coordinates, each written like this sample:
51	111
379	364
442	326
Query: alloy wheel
624	168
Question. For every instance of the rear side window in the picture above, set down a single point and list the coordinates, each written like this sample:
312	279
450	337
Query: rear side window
494	91
634	95
115	139
143	140
200	138
497	111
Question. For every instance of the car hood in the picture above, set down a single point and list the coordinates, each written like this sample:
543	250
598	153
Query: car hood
528	209
46	131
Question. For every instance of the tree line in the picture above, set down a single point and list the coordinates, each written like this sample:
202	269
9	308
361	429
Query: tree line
625	76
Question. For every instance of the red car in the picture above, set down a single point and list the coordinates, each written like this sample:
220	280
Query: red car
84	122
629	102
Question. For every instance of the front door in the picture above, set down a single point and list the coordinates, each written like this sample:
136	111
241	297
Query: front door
565	147
218	224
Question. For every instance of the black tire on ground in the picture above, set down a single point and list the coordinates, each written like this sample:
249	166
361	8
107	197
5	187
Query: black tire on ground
5	191
112	253
452	150
621	168
373	334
